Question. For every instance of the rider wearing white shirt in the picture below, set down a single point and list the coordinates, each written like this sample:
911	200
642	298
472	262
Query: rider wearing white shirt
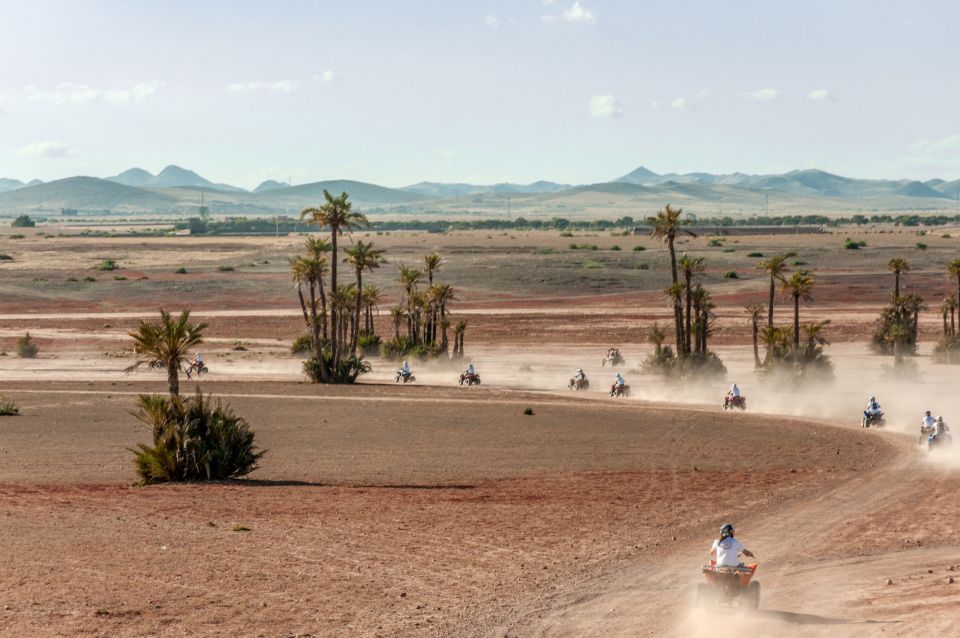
734	392
928	422
873	407
579	375
619	381
405	369
728	549
470	370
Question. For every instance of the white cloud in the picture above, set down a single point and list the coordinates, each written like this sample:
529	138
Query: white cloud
656	104
766	95
71	93
703	94
46	149
549	1
491	21
326	77
280	86
605	106
822	95
679	104
946	145
575	14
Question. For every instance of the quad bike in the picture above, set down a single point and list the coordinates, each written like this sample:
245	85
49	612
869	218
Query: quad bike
578	384
936	441
620	390
926	434
193	367
409	378
730	402
470	379
729	586
612	360
872	420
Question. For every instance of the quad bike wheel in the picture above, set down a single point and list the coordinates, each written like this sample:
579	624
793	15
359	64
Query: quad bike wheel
752	596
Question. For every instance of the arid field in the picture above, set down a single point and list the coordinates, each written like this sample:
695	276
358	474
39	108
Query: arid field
438	510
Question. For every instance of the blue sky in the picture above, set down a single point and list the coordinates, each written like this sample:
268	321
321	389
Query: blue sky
399	92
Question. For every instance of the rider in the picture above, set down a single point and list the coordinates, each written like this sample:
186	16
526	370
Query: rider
618	383
470	370
873	408
727	549
928	423
734	392
579	375
197	361
940	427
405	370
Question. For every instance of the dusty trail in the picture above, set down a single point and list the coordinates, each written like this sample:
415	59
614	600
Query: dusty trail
839	594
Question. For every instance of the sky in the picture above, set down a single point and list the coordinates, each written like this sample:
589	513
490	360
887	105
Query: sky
398	92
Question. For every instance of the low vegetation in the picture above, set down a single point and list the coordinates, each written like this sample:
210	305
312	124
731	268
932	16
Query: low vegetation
194	439
23	221
27	348
108	264
8	407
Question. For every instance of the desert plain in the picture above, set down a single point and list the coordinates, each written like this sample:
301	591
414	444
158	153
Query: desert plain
439	510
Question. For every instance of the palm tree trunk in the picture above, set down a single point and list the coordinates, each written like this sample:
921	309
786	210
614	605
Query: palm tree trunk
303	306
896	285
673	260
756	344
796	326
173	378
773	291
334	343
356	311
687	336
315	334
953	329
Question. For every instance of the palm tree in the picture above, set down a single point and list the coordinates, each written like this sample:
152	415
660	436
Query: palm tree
372	297
754	311
317	249
363	257
897	265
409	277
690	267
797	287
664	227
952	300
440	296
431	264
458	331
774	267
166	344
675	292
953	270
338	214
396	313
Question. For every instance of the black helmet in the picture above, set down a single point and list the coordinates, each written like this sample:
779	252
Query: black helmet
727	530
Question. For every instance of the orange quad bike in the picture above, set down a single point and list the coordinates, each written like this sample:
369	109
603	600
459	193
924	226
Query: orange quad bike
730	402
729	586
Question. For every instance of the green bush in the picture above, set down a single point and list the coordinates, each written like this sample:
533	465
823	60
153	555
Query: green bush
72	279
119	278
754	254
225	268
193	440
799	262
368	343
729	250
642	266
615	247
347	371
566	233
731	274
8	407
639	248
107	264
544	251
23	221
27	348
89	278
302	345
921	245
17	236
715	243
180	271
592	265
574	246
5	257
850	244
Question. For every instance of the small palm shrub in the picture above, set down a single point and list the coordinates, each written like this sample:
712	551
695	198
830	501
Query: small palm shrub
368	343
8	407
302	345
107	264
345	372
193	440
27	348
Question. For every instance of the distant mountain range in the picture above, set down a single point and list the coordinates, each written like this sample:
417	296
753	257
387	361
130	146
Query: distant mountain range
178	190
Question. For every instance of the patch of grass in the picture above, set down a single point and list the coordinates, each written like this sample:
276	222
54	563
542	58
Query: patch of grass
729	250
107	264
8	407
239	345
754	254
119	278
241	528
226	268
639	248
715	243
180	271
593	265
851	244
5	257
614	247
799	262
790	254
731	274
17	236
528	411
945	236
72	279
642	266
921	245
89	278
544	251
566	233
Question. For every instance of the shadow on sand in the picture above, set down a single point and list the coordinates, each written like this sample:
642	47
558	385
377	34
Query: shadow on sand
812	619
